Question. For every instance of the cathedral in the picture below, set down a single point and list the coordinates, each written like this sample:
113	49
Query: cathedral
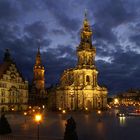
78	88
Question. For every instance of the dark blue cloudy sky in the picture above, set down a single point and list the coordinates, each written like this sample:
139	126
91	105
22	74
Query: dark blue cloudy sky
56	23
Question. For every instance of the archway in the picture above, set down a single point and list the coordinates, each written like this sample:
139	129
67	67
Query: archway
89	105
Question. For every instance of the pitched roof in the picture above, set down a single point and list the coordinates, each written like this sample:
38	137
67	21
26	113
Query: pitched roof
4	67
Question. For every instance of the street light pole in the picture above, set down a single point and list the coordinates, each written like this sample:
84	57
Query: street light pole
38	118
38	131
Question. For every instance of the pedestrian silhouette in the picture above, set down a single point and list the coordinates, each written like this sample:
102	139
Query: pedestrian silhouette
4	125
70	131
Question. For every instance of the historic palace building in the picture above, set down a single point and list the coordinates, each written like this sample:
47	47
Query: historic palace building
13	87
78	88
38	92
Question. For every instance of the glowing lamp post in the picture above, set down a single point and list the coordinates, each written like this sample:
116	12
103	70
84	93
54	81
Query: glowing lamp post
64	111
99	112
25	114
86	109
43	106
99	115
38	118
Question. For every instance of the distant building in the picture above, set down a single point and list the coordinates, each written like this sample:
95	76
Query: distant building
38	94
130	97
13	87
78	88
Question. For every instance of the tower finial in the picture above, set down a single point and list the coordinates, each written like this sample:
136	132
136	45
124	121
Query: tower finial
39	49
7	56
85	13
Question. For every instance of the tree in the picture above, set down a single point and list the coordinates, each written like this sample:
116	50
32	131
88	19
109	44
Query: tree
70	131
4	125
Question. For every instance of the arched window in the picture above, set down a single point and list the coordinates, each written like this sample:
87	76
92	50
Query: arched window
87	79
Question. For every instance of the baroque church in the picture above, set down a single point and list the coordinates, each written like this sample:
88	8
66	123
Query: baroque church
78	88
13	87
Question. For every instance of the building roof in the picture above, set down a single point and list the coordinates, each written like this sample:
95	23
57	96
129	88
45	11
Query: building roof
4	67
7	61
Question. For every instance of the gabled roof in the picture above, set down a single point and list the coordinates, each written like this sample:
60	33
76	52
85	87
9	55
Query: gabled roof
4	67
7	61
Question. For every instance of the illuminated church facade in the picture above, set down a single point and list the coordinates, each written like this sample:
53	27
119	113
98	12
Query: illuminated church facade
78	88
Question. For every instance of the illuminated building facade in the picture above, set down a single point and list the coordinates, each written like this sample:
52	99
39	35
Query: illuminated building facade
78	88
13	87
130	97
38	92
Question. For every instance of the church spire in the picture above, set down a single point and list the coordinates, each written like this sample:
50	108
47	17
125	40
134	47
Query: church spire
39	78
38	58
85	13
86	32
7	56
85	51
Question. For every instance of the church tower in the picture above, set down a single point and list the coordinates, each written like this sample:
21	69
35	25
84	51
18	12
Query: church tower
38	94
39	79
85	51
78	88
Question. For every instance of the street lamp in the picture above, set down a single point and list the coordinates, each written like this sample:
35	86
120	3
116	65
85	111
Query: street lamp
99	115
38	118
43	106
99	112
25	114
63	111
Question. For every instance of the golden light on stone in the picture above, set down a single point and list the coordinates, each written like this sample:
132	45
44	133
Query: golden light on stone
39	72
78	87
12	83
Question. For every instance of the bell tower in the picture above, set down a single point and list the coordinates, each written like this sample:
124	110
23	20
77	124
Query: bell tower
85	51
39	79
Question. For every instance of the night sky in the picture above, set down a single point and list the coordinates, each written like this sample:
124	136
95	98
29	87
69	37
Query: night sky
55	26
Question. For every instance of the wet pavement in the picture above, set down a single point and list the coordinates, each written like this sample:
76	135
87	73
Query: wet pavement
106	126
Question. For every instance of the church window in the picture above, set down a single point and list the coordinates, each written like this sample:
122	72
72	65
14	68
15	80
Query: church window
87	79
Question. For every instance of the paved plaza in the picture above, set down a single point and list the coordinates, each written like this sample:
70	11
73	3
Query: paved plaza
89	127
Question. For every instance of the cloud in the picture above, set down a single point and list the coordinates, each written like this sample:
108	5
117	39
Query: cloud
8	10
59	11
37	30
122	73
116	26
